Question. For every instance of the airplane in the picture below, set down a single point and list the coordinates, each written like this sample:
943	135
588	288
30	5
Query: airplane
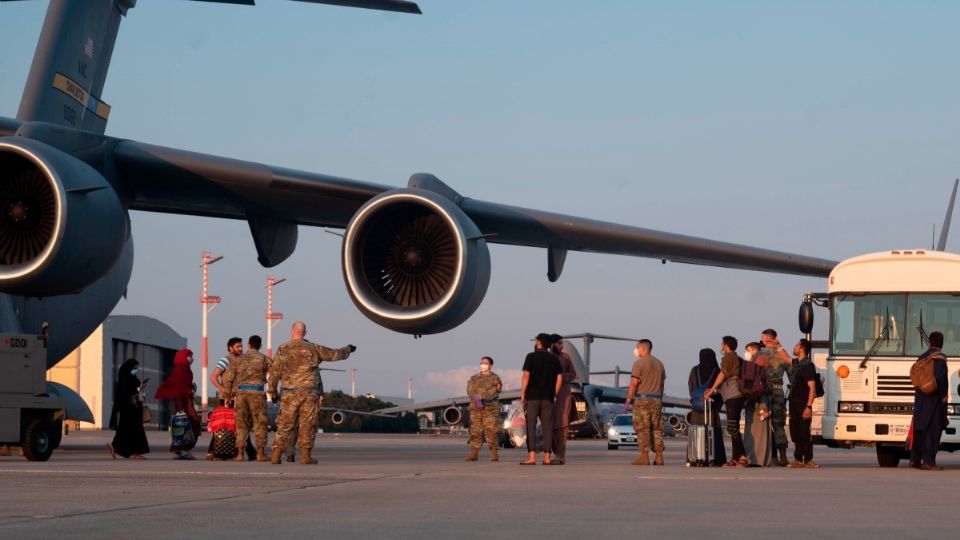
588	398
414	259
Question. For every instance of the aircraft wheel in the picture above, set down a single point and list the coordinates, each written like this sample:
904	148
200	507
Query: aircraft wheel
37	444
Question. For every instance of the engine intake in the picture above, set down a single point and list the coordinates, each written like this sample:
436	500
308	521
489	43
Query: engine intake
62	225
414	262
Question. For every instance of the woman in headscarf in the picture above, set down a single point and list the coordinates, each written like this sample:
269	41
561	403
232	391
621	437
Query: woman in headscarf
178	388
703	375
130	440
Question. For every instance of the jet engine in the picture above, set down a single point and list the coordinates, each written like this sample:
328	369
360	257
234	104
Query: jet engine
452	416
62	225
414	262
337	418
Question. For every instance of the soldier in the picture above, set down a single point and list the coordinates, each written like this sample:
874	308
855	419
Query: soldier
248	375
296	368
779	363
483	389
646	393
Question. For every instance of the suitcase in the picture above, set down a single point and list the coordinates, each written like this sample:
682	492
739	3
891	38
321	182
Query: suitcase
224	444
181	430
701	440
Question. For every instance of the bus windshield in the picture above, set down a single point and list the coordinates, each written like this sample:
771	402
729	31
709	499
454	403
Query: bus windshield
891	322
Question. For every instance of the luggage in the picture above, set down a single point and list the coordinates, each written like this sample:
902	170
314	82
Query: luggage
701	440
222	417
696	399
224	444
181	430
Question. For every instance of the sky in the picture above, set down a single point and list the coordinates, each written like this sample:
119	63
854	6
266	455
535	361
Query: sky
821	128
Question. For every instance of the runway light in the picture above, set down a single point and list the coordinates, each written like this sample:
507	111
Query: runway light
843	372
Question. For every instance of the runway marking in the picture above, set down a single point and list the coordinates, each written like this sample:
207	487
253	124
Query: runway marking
700	478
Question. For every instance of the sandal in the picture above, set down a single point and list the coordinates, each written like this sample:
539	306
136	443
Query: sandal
528	462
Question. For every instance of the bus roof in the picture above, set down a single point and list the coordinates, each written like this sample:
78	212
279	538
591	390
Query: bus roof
904	270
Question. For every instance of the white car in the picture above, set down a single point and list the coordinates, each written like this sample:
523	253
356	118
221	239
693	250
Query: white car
620	433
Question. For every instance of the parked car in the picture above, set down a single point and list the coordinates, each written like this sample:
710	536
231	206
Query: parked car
620	433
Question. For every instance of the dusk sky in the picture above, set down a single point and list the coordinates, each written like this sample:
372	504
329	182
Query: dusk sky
821	128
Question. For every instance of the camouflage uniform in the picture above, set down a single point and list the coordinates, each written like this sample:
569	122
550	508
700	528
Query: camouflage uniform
775	396
646	416
484	422
245	379
296	368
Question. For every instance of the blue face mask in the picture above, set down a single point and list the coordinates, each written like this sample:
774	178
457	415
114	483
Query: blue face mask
134	371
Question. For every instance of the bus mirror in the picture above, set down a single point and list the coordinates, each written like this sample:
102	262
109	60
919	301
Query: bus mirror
806	317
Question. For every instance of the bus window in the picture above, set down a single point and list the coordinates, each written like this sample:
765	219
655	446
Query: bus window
941	313
858	322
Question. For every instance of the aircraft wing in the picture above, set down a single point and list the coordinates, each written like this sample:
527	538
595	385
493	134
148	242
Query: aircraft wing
609	394
160	179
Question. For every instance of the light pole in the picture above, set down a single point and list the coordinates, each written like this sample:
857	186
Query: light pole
353	382
272	318
207	304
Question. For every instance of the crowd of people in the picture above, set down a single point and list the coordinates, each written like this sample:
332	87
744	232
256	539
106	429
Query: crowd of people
753	387
244	382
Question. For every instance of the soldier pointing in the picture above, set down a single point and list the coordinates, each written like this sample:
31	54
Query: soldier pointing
296	368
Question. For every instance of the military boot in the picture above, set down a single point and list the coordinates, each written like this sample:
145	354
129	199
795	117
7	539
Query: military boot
493	453
261	455
305	458
658	460
783	462
276	456
474	452
644	459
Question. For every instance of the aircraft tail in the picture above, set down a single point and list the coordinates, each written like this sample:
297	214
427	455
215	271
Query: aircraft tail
942	242
70	65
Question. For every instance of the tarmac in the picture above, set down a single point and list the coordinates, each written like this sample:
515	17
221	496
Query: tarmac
418	486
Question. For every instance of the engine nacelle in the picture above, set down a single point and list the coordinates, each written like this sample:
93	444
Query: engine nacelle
337	418
414	262
62	225
452	416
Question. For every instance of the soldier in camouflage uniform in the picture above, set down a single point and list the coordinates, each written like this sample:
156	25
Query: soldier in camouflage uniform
779	363
483	389
244	380
296	369
646	393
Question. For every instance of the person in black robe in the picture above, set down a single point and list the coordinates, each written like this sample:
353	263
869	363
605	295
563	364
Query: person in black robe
706	373
130	441
930	411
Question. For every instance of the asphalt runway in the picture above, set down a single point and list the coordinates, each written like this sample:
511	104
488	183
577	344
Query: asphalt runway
418	486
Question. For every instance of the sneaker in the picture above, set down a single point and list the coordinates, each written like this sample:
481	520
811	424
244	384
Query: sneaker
811	465
796	464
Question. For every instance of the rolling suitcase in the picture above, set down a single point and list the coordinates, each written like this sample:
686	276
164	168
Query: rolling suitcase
181	431
701	440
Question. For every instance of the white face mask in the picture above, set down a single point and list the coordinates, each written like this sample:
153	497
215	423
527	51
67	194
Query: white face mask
748	355
484	368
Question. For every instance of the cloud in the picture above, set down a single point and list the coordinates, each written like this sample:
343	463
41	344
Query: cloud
453	382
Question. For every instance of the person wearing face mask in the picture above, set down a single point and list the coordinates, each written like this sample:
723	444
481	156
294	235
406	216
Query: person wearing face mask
484	392
756	432
130	441
178	388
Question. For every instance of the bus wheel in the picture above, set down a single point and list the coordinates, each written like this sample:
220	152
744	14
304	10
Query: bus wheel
887	456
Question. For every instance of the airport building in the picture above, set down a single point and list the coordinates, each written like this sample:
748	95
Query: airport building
91	369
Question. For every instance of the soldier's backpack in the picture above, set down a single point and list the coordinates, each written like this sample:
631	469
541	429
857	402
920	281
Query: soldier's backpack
922	375
753	380
181	430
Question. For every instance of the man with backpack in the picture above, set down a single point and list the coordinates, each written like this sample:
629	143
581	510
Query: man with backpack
803	390
728	382
929	409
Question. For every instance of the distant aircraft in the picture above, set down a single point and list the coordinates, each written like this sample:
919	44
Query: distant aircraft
414	258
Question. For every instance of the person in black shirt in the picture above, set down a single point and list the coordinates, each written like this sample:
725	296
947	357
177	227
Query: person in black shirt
541	382
802	393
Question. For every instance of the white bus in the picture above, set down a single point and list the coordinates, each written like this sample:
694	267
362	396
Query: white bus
879	304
